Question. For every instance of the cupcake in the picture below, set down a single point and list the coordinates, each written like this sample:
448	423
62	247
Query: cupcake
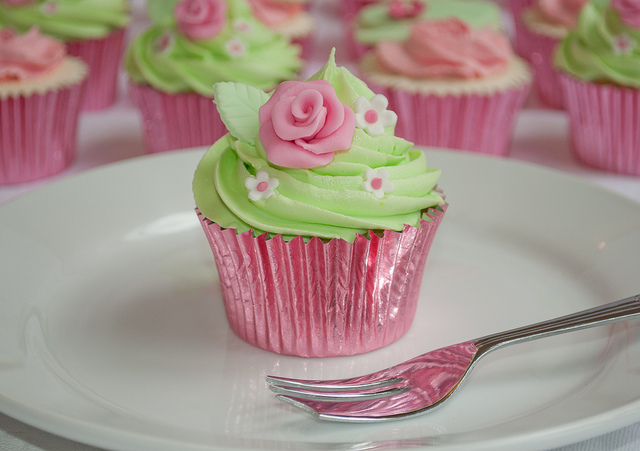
41	91
392	20
516	8
453	85
92	29
545	24
173	65
289	18
320	218
599	61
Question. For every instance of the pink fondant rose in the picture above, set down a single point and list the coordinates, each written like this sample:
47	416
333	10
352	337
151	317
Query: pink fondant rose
304	123
629	11
201	19
29	55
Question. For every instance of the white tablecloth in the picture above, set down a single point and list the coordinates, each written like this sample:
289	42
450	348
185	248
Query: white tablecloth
541	137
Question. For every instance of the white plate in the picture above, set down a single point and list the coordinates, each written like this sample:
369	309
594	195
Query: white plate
112	331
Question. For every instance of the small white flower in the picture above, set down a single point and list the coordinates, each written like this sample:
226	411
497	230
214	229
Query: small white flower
373	115
49	8
261	186
236	47
377	182
242	26
623	44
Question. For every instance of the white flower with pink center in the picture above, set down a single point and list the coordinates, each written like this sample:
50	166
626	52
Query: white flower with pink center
242	26
623	44
236	48
164	42
373	116
261	186
378	182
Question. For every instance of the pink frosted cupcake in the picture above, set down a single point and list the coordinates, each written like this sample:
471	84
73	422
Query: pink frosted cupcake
599	61
289	18
320	220
92	29
41	91
545	24
453	85
173	65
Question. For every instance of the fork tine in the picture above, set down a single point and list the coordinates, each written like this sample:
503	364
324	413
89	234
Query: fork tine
332	385
340	396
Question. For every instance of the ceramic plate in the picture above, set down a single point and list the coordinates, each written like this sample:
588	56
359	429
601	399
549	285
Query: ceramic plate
112	331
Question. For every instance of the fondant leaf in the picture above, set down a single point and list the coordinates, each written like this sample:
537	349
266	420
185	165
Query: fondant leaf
238	105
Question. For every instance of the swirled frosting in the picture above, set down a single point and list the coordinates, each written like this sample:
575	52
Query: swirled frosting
28	56
375	23
560	12
243	51
379	182
447	48
275	12
68	20
602	47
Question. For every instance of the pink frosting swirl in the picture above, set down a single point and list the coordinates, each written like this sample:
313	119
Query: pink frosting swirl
447	48
629	11
561	12
201	19
274	12
304	123
30	55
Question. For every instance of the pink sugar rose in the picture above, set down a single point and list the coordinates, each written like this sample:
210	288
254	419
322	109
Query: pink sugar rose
304	123
201	19
629	11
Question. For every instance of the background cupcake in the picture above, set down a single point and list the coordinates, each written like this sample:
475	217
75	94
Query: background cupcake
391	20
320	221
174	64
545	24
599	62
289	18
41	91
454	86
93	30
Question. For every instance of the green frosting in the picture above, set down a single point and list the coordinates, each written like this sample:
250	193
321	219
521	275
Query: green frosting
68	20
326	201
186	65
601	48
374	24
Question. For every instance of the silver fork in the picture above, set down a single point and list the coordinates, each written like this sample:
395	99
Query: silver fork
423	383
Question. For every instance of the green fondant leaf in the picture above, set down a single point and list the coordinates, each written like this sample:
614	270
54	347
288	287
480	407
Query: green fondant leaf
238	105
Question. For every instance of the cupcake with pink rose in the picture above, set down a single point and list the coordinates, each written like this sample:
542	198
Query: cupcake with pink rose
41	92
289	18
545	24
93	30
454	85
173	65
599	63
391	20
319	217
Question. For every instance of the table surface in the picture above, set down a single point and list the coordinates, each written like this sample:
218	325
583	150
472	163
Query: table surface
98	145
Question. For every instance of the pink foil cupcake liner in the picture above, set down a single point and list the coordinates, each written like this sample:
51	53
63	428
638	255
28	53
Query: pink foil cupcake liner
103	56
38	134
475	122
546	78
321	299
603	124
516	8
176	121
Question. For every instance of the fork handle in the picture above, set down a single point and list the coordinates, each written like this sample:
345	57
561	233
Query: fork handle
621	310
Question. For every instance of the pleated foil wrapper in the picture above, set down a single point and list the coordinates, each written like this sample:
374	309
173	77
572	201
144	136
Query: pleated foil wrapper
318	298
603	124
516	8
38	133
176	121
480	122
546	78
103	56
